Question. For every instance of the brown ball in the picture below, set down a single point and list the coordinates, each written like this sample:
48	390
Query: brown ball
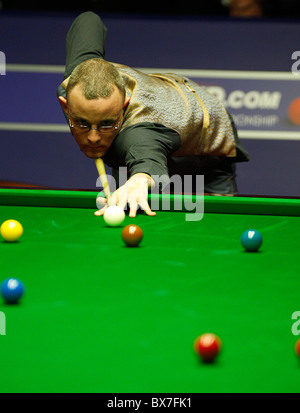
132	235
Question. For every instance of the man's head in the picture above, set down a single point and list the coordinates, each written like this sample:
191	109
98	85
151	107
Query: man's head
95	104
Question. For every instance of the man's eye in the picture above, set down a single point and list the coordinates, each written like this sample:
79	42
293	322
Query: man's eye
83	122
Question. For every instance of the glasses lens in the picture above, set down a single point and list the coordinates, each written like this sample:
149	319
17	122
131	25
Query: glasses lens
81	128
106	128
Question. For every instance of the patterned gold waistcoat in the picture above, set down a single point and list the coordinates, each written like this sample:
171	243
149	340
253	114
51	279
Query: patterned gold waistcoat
180	104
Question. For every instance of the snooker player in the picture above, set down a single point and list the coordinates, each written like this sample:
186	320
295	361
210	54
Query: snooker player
156	125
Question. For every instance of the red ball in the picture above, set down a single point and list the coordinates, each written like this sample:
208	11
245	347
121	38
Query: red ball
132	235
297	347
207	346
294	111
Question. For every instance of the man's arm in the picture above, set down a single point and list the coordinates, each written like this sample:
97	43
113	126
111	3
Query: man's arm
144	149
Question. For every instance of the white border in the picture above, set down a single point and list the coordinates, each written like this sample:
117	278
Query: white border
220	74
34	127
56	127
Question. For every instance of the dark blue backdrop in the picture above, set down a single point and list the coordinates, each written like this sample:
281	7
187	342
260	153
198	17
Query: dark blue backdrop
52	158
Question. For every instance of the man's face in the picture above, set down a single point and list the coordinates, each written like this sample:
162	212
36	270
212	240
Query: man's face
95	114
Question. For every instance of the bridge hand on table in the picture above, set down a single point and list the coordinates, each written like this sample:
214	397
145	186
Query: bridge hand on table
134	192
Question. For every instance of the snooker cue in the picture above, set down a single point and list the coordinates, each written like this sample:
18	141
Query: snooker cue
101	171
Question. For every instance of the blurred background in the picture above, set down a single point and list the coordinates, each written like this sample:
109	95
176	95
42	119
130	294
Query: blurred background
234	8
246	52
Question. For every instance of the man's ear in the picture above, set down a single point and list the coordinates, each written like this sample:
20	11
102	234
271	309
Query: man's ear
63	102
126	102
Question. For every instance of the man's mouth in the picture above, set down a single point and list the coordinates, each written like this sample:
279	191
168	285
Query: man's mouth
95	148
94	151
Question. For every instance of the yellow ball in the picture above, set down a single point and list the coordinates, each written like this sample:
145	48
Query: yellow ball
11	230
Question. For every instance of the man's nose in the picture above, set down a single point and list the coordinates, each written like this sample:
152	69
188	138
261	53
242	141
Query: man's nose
94	136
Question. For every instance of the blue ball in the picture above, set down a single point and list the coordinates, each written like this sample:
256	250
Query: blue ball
12	290
251	240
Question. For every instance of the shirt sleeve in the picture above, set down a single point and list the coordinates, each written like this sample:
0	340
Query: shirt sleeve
144	148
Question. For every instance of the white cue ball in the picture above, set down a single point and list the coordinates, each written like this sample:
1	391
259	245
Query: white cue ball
114	216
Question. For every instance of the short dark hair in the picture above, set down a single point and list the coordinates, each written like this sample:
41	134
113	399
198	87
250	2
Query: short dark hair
97	78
